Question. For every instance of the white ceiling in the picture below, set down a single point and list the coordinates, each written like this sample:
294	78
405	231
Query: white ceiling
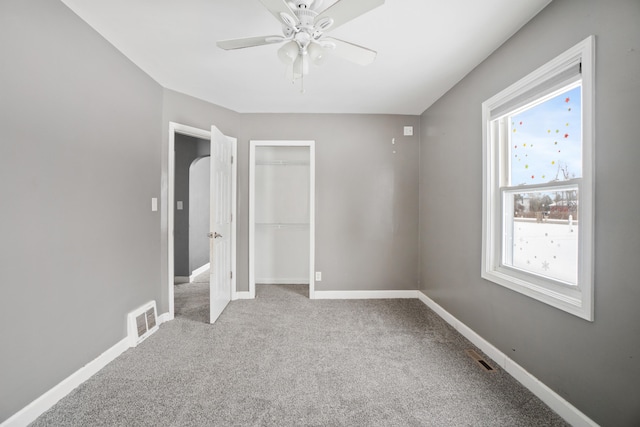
424	48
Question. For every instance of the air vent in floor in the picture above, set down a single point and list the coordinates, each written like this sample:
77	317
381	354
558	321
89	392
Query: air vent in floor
142	323
480	361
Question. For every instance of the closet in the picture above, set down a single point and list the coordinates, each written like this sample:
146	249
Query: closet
281	184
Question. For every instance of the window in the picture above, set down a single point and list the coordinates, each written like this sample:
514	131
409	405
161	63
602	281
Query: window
538	184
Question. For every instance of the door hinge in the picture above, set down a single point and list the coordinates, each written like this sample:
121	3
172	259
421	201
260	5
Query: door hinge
231	159
231	218
231	275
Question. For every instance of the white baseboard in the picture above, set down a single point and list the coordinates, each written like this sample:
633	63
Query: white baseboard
164	317
272	281
198	271
243	295
365	294
36	408
181	279
566	410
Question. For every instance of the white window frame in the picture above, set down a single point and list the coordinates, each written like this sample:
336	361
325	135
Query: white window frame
544	81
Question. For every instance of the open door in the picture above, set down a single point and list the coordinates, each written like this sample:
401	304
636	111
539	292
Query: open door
220	280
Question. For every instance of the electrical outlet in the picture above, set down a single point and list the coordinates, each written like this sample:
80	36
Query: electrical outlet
318	276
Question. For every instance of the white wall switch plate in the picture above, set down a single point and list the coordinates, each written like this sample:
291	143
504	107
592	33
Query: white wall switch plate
408	131
318	276
179	203
154	204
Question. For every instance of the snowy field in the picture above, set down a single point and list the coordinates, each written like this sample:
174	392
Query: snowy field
546	248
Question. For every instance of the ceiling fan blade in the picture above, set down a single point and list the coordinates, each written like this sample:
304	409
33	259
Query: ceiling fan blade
248	42
280	9
345	10
351	52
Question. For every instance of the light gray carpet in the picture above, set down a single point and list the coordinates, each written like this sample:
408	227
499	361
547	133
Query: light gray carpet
285	360
192	299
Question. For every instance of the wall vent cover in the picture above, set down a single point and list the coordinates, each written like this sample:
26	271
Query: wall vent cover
480	361
141	323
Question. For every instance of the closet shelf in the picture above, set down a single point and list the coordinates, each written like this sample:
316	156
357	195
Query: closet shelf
283	163
282	224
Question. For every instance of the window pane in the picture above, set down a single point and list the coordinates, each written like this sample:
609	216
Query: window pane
543	233
546	141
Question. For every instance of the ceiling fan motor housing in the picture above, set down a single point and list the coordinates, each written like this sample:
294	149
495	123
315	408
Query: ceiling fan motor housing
306	17
307	4
305	31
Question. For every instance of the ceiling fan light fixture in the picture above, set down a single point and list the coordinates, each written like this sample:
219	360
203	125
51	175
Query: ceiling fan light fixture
316	53
304	27
288	52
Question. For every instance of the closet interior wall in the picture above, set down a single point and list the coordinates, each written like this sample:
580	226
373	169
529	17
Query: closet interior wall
282	215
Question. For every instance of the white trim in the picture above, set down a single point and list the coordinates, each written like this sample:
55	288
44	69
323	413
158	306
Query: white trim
234	215
252	220
566	410
312	219
312	206
198	271
43	403
202	134
402	294
164	317
277	281
243	295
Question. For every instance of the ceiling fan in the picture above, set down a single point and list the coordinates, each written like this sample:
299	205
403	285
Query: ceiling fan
304	28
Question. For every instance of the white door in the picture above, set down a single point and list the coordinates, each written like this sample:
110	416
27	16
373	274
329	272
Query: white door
220	235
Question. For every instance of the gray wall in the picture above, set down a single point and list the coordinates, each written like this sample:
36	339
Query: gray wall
592	365
79	164
199	211
187	149
366	196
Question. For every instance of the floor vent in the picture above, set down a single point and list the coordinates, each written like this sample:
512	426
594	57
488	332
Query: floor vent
141	323
480	361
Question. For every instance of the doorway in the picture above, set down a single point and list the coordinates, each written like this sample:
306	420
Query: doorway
177	131
282	214
191	209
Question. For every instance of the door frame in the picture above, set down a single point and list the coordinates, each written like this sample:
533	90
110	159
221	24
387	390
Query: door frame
177	128
312	207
